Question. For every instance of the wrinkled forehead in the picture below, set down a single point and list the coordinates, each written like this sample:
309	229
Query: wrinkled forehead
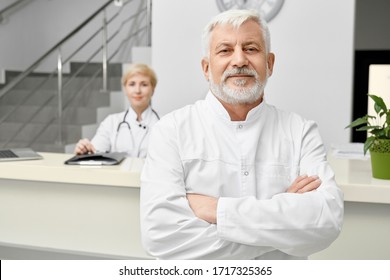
248	30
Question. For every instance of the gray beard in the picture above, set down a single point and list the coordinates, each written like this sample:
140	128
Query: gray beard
241	95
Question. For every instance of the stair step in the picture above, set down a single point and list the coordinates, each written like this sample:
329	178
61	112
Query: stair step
76	83
71	115
113	69
71	132
49	98
39	147
85	102
83	78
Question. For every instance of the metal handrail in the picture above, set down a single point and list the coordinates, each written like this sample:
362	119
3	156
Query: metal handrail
9	8
60	62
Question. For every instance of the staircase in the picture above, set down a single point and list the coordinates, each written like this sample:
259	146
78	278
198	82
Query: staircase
84	107
51	111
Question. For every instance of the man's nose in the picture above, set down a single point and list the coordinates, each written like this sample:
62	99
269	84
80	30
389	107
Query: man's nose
239	58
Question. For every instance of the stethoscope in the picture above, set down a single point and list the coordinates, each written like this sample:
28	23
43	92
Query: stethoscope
126	123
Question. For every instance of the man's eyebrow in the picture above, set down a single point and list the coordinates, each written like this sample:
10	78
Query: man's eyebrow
228	44
223	44
252	42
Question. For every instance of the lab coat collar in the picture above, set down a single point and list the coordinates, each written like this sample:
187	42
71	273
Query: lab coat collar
132	115
217	107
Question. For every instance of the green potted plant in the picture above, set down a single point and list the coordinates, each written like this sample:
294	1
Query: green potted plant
378	140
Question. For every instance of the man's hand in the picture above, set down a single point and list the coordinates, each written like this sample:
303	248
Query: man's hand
304	184
204	207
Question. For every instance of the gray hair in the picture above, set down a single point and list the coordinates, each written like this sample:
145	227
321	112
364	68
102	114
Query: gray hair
235	18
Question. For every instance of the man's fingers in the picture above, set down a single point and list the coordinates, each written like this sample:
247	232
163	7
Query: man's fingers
304	183
203	206
298	179
310	187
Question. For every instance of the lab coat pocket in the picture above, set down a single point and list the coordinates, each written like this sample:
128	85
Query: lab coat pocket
211	177
273	179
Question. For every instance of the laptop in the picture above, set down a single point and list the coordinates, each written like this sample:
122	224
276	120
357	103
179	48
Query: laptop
18	154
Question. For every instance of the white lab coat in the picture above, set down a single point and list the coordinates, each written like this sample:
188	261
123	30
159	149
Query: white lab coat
133	141
248	165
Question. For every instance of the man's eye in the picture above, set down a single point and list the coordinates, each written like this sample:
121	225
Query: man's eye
250	50
223	51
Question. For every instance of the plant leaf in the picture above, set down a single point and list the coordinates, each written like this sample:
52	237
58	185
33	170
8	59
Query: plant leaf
379	103
379	133
368	127
387	132
370	140
388	118
357	122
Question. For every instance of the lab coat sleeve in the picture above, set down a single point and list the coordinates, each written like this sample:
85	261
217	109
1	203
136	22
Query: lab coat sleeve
102	139
169	228
296	224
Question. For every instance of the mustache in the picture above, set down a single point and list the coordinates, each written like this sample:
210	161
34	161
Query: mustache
239	70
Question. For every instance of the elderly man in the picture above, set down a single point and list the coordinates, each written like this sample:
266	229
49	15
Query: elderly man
232	177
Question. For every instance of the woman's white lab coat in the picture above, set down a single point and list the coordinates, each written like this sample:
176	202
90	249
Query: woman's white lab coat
118	133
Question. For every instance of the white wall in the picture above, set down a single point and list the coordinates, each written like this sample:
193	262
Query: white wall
313	43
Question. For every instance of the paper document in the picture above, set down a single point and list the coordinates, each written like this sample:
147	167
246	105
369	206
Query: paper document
349	150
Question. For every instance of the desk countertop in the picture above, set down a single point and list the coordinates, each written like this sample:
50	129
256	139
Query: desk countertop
52	169
352	175
355	179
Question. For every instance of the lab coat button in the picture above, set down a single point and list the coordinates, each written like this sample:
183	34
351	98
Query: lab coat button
246	173
240	126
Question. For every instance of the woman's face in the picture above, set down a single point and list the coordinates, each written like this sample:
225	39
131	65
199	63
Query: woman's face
139	91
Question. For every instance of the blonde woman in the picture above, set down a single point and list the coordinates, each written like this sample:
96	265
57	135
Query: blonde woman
127	131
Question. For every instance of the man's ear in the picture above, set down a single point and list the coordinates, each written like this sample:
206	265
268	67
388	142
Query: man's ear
270	63
205	67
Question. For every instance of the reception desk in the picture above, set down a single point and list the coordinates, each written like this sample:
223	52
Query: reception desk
366	231
49	210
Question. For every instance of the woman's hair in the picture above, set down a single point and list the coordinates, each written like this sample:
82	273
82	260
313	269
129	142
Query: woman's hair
142	69
235	18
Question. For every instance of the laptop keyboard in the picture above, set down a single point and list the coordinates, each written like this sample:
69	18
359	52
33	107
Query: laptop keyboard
7	154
